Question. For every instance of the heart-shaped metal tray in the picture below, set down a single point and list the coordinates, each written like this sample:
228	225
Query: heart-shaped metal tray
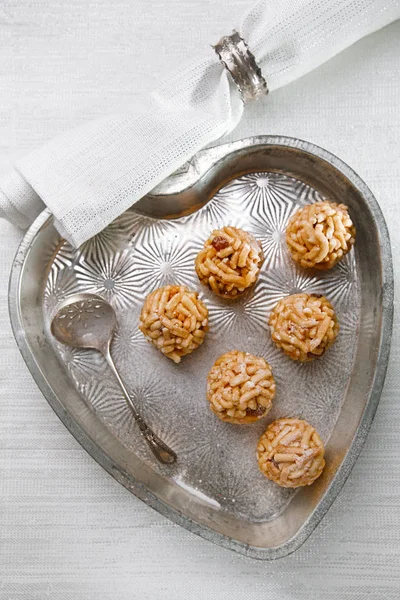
215	489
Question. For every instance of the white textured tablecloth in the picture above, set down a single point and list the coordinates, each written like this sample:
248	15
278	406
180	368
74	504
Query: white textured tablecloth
67	529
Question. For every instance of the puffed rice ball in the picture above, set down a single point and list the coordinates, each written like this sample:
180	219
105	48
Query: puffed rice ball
230	262
240	387
320	234
303	326
174	320
291	453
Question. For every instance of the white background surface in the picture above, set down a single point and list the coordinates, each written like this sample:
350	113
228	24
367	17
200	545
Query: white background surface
68	530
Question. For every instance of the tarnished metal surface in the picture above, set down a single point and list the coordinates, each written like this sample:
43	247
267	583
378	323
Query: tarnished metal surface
215	489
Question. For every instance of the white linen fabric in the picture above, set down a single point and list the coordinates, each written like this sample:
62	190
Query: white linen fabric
90	175
69	531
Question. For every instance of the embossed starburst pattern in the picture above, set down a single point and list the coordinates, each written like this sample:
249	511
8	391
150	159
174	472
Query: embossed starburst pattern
218	211
111	276
109	240
106	399
128	341
133	226
340	282
260	191
289	279
164	261
61	283
137	254
83	364
245	316
64	256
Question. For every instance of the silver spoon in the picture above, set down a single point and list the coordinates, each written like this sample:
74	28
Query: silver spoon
88	321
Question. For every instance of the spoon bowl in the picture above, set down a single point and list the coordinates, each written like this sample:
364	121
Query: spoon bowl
84	321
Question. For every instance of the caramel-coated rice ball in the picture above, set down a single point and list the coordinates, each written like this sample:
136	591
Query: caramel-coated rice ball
303	326
291	453
240	387
174	320
230	262
320	234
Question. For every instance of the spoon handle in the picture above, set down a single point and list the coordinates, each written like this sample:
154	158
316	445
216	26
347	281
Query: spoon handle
160	450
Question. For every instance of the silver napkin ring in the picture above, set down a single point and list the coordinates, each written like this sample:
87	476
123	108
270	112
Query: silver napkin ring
235	55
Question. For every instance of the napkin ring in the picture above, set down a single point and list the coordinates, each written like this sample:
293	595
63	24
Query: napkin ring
236	57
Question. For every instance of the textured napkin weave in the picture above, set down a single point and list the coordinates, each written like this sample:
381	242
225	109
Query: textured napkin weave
92	174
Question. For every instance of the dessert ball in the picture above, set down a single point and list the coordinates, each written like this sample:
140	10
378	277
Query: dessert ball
291	453
240	387
230	262
303	326
174	320
320	234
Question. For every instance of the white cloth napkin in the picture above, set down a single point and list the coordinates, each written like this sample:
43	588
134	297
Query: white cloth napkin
92	174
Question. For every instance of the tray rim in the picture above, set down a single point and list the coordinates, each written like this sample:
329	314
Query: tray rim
196	168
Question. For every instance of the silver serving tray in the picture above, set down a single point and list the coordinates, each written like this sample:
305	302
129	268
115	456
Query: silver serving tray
215	489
